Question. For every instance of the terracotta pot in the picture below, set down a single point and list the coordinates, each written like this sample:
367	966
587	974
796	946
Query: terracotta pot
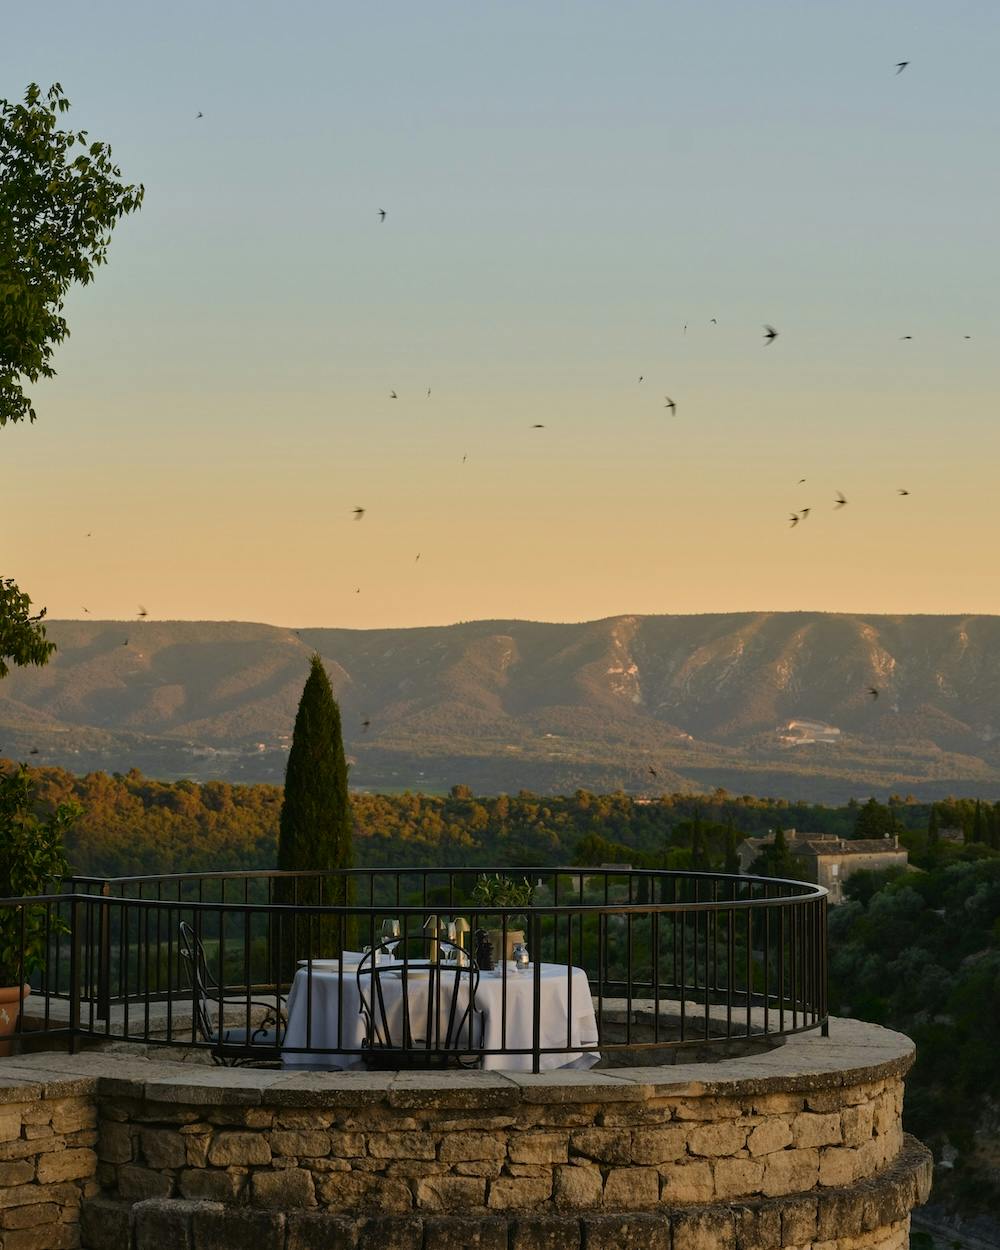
10	1009
513	937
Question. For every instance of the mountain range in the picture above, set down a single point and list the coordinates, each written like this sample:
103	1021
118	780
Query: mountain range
773	703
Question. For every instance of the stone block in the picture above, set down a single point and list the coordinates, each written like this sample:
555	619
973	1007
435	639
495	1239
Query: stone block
659	1145
468	1147
390	1196
577	1188
512	1193
66	1165
114	1142
838	1165
813	1129
632	1187
705	1108
236	1228
738	1178
536	1148
163	1148
74	1115
10	1126
344	1191
769	1136
717	1140
28	1217
237	1149
626	1232
403	1145
798	1221
480	1167
18	1173
607	1145
857	1124
546	1232
137	1184
162	1224
317	1230
460	1233
104	1224
790	1171
758	1225
703	1229
838	1214
43	1237
283	1190
450	1193
209	1185
405	1233
301	1143
344	1145
686	1182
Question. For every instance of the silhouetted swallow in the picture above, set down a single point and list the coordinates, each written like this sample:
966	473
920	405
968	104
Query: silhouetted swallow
671	405
905	336
428	392
358	513
873	692
805	512
197	115
770	334
652	771
801	480
840	500
900	66
364	725
87	610
641	377
538	426
714	322
142	611
381	214
793	520
902	492
393	395
418	557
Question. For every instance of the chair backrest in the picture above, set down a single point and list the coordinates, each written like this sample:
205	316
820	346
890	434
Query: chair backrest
193	954
417	1012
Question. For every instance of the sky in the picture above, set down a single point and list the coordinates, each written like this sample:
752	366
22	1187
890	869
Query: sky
567	186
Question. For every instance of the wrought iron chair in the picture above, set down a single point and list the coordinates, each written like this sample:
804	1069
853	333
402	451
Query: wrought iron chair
435	1023
231	1046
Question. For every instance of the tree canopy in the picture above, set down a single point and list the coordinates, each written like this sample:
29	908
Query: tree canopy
22	636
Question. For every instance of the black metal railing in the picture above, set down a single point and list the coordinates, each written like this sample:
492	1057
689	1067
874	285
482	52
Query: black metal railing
621	961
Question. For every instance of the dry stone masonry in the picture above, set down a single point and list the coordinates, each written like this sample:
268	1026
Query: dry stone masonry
799	1149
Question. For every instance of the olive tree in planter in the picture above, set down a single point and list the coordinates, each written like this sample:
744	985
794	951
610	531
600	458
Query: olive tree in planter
32	862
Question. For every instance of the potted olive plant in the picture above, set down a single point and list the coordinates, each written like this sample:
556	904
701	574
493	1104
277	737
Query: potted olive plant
32	861
500	893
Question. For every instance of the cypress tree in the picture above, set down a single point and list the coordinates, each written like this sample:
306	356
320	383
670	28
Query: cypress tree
315	831
979	824
933	830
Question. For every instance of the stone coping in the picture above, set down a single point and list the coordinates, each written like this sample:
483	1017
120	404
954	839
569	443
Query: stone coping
855	1053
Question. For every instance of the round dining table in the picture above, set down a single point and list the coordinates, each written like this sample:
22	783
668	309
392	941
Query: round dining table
326	1023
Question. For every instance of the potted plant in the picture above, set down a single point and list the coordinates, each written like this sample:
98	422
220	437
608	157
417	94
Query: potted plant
32	861
500	893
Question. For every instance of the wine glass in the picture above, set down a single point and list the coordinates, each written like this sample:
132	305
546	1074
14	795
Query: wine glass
391	933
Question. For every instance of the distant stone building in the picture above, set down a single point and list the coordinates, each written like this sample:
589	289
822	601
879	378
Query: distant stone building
829	860
798	733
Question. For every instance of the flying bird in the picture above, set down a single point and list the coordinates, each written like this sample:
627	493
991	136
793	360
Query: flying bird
805	512
538	427
464	458
428	392
33	751
418	557
902	492
393	395
714	322
905	336
770	334
142	611
671	405
87	610
358	591
652	771
793	520
89	535
125	643
900	66
873	692
381	214
641	376
966	336
197	115
364	725
358	513
840	500
801	480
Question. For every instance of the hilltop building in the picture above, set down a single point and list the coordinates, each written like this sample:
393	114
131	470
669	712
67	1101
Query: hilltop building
829	860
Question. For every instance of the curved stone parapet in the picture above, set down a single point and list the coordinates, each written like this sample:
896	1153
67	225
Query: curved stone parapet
799	1147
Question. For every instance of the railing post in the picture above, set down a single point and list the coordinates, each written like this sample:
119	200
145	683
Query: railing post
535	928
76	923
104	957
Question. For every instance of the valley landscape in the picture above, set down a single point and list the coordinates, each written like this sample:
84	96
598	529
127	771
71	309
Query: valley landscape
763	703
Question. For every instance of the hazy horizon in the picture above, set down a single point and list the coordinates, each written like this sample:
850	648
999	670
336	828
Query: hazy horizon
566	187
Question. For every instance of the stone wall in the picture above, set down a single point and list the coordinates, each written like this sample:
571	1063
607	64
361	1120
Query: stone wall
48	1165
800	1147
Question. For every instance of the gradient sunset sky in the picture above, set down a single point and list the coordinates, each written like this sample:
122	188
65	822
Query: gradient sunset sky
567	185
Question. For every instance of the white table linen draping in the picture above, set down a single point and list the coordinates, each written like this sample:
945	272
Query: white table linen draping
324	1009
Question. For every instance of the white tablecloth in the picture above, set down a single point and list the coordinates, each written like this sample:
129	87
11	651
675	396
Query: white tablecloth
313	1017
